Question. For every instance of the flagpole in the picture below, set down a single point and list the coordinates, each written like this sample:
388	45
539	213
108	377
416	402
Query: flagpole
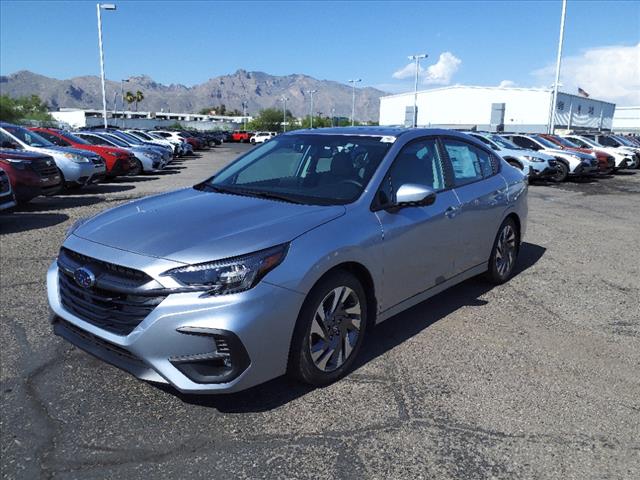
552	114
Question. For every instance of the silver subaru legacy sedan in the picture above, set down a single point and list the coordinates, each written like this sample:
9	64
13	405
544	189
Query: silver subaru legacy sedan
284	260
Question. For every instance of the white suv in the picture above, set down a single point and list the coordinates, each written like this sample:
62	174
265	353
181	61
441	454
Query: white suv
532	163
568	163
261	137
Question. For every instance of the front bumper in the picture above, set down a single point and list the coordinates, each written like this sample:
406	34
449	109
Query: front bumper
262	319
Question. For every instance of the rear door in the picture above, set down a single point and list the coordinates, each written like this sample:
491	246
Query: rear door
419	241
482	193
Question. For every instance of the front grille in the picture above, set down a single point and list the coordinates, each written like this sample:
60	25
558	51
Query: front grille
4	183
45	166
120	299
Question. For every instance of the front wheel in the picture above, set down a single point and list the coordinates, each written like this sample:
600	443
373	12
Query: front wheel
562	172
504	253
136	169
330	330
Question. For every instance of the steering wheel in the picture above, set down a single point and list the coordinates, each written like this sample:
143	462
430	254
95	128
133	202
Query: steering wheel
352	182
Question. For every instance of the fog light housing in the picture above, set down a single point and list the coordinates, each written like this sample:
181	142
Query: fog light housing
222	365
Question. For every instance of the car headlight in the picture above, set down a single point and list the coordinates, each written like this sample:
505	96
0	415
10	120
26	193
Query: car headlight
533	159
76	158
232	275
17	164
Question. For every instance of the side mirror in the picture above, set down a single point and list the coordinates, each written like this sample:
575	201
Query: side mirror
414	195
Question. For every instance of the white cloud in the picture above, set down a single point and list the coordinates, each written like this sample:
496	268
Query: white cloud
407	71
610	73
439	73
507	84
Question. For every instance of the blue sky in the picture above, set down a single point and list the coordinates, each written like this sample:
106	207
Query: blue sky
484	43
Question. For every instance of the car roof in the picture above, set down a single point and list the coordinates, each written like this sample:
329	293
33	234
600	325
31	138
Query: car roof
374	131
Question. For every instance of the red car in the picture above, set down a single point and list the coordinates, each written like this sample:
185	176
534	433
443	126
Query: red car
31	174
117	160
240	136
195	142
606	163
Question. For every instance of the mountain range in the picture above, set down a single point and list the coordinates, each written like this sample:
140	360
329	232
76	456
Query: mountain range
260	90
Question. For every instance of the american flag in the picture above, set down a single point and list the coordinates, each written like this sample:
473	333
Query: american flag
582	93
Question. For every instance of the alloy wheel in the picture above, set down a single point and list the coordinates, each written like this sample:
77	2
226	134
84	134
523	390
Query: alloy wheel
335	329
506	251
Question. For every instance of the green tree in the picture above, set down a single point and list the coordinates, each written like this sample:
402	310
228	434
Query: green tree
139	98
270	119
23	108
129	97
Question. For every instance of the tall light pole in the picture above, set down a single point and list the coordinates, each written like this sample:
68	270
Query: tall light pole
284	113
99	7
552	113
244	114
417	59
311	92
333	116
353	99
122	98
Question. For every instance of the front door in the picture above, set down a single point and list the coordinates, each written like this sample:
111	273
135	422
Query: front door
419	243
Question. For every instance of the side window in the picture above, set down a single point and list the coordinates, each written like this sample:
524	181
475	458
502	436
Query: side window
418	162
6	141
524	143
469	163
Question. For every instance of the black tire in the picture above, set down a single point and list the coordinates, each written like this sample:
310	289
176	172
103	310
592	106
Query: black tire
137	169
301	362
562	172
497	272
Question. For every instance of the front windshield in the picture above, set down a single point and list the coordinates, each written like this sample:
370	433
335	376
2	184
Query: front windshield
624	141
127	138
312	169
142	135
584	142
565	142
116	140
74	139
27	136
504	143
544	142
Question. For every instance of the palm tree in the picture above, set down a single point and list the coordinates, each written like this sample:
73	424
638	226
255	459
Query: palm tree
129	97
139	98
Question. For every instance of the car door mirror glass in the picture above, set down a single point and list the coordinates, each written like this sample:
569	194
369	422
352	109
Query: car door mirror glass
414	194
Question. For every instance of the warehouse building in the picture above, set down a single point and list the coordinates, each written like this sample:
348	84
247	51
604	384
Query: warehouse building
627	120
509	109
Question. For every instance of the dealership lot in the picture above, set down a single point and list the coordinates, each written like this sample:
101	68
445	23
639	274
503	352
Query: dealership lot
535	378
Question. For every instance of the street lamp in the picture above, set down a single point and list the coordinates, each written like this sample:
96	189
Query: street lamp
311	92
353	100
99	7
244	114
333	116
284	113
552	113
417	59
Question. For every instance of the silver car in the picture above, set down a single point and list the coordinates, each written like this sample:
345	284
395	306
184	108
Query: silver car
285	259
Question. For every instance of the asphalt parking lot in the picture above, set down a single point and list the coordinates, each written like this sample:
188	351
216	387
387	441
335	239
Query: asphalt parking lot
538	378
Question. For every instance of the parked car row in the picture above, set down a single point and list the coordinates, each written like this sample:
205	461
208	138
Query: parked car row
556	157
44	161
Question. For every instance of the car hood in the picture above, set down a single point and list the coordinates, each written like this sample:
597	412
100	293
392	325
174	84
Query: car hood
555	151
193	226
76	151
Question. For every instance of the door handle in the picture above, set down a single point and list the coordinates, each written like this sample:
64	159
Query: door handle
451	211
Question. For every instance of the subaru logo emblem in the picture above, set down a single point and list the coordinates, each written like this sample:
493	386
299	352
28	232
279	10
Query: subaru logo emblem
84	277
48	163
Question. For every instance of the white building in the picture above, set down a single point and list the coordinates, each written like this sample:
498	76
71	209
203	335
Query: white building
496	108
80	118
627	120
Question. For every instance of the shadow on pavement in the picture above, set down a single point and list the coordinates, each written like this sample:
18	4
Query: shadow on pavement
97	189
22	222
381	339
45	204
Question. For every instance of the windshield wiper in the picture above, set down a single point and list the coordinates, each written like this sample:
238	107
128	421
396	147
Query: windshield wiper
268	195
